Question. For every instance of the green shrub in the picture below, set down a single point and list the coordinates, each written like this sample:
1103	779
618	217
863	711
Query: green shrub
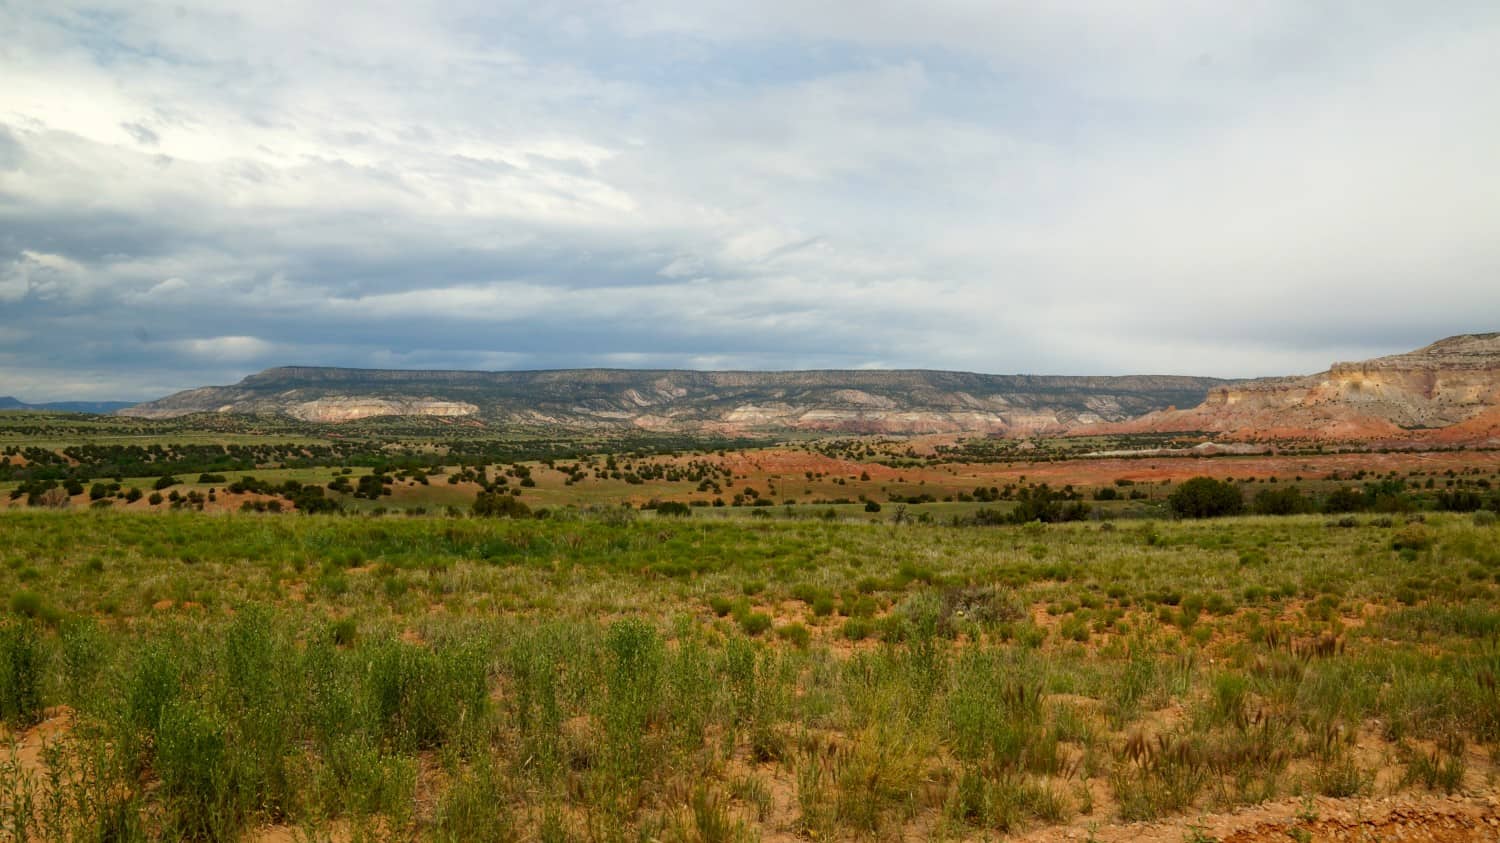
424	698
154	681
1074	628
859	607
474	809
1412	537
796	633
753	623
192	764
342	632
21	668
1192	608
84	652
1286	500
499	505
822	605
636	654
674	509
1344	499
1438	771
27	604
1341	777
858	628
1205	497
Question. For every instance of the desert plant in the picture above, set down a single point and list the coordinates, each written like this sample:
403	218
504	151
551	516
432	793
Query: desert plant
22	664
1206	497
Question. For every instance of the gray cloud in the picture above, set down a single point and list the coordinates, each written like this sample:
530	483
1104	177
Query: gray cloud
189	195
142	134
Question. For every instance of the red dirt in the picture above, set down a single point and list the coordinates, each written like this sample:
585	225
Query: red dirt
1485	426
759	465
790	462
1094	472
1436	819
56	723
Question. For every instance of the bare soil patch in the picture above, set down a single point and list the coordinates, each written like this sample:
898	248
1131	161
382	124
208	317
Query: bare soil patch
1436	819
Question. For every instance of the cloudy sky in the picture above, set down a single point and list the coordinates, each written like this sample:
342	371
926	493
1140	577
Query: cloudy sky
190	192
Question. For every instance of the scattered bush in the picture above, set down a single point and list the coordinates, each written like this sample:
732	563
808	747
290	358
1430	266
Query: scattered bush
753	623
1412	537
21	669
499	505
674	509
1286	500
1205	497
795	633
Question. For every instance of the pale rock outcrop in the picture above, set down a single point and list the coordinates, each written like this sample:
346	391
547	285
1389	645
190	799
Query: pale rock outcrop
1447	385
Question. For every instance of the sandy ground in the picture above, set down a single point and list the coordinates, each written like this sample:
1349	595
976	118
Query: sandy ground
1456	819
1415	816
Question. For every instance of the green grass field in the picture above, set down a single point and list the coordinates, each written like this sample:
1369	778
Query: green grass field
616	676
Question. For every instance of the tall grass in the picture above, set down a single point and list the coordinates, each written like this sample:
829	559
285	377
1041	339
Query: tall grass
571	679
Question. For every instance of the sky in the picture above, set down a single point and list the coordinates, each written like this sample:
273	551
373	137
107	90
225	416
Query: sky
191	192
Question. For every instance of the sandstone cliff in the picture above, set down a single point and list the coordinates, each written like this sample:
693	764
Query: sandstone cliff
1448	391
903	401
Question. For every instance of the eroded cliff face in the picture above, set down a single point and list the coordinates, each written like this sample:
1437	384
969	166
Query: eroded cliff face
910	401
349	409
1450	385
1448	391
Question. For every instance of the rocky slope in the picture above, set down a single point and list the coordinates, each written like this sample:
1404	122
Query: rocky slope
906	401
1446	392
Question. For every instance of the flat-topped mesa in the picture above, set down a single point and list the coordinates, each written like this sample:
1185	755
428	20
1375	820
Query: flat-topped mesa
1451	382
1439	385
1259	389
1473	353
1461	352
1452	386
850	401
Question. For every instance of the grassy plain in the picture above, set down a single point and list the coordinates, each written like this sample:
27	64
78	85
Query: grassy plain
608	676
813	667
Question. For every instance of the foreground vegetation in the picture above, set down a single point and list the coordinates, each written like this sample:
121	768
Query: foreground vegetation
600	675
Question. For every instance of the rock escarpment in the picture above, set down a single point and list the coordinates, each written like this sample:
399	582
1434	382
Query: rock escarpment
349	409
1447	391
901	401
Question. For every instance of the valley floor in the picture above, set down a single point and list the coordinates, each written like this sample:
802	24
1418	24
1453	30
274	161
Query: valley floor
187	676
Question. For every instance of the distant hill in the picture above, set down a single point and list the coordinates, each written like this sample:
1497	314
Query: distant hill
861	401
1445	392
97	407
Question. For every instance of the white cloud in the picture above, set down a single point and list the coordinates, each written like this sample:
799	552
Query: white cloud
222	349
1079	186
42	275
13	283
